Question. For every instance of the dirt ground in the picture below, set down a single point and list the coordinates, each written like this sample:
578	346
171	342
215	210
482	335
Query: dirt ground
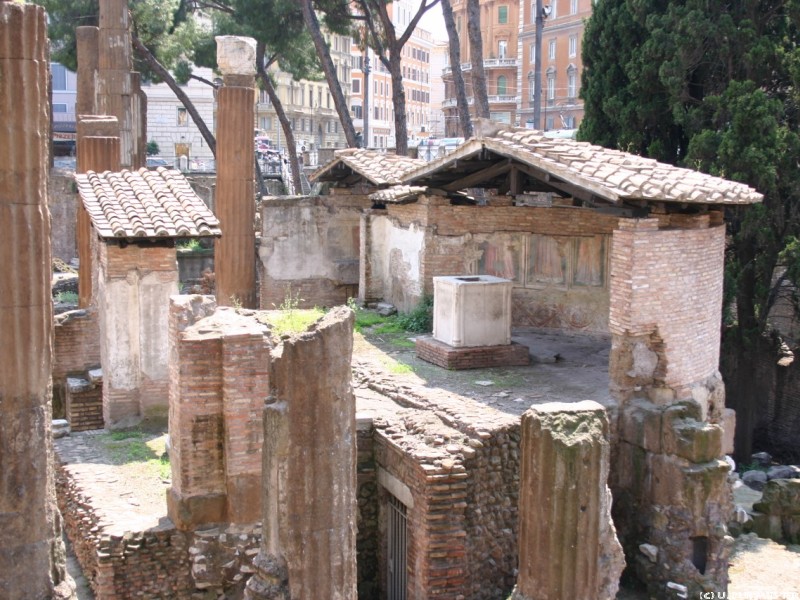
131	494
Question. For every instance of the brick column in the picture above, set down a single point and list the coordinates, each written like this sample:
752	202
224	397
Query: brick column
114	84
567	544
31	553
235	252
97	150
308	548
671	496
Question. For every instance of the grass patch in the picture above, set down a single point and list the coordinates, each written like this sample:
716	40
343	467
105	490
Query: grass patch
134	446
67	297
396	368
367	318
293	321
402	342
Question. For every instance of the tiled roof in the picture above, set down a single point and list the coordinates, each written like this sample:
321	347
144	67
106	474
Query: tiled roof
377	168
569	165
145	204
398	194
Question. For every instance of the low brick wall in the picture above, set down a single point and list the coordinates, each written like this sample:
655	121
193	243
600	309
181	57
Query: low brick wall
158	563
84	403
478	357
76	347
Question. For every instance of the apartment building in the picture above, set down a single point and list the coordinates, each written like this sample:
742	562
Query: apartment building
378	129
64	93
562	36
308	104
499	29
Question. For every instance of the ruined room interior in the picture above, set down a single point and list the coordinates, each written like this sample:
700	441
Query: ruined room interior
299	467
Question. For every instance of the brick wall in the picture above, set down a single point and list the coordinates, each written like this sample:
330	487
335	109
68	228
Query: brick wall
463	477
451	244
134	285
161	563
309	249
76	343
219	364
367	536
668	282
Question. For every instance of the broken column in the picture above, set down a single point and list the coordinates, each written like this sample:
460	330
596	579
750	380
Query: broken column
308	548
235	251
671	496
219	380
97	150
568	547
86	39
32	559
116	95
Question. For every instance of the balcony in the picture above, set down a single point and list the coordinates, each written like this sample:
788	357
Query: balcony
502	99
451	102
489	63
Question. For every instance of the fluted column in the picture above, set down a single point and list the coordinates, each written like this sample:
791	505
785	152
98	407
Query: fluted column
308	544
86	39
567	543
114	82
98	150
31	553
235	252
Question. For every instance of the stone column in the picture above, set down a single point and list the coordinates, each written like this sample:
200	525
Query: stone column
114	82
32	557
98	150
568	547
235	251
86	98
308	548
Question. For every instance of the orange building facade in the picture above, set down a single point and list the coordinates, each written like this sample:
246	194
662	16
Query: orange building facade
499	29
562	39
508	28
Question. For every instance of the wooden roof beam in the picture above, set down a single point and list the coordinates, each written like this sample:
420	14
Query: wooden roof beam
479	176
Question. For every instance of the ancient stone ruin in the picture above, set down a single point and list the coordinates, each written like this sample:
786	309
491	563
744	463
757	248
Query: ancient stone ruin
31	553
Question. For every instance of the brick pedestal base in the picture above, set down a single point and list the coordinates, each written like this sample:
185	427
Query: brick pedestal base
475	357
84	403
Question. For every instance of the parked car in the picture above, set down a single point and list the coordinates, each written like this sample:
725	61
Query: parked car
154	163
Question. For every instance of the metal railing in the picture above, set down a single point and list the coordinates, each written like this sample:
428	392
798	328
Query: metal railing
396	550
488	63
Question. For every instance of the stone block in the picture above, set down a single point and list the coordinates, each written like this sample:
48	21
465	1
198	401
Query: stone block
236	55
189	512
695	441
640	424
728	424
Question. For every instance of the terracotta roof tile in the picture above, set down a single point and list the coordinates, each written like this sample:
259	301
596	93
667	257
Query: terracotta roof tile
398	194
145	204
379	169
609	174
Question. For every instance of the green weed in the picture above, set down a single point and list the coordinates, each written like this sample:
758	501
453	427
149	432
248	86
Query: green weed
134	446
192	244
67	297
420	319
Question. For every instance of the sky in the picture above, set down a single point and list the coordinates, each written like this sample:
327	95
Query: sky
433	21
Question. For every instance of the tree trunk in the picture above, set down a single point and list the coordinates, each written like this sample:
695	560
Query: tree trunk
399	102
284	120
167	77
476	58
465	121
323	52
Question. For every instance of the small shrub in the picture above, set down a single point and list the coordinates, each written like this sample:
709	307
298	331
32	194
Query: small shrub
192	244
67	297
419	320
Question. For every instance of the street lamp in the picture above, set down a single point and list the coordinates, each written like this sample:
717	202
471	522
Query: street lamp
542	12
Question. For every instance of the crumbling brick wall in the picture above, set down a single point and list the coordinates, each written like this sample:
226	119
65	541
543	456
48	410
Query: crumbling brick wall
76	347
135	282
409	244
309	249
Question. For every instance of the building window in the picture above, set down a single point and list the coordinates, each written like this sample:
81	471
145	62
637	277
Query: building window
572	79
502	14
573	6
59	73
183	117
573	45
553	9
552	49
533	53
357	112
502	49
551	87
356	86
501	85
266	123
59	108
